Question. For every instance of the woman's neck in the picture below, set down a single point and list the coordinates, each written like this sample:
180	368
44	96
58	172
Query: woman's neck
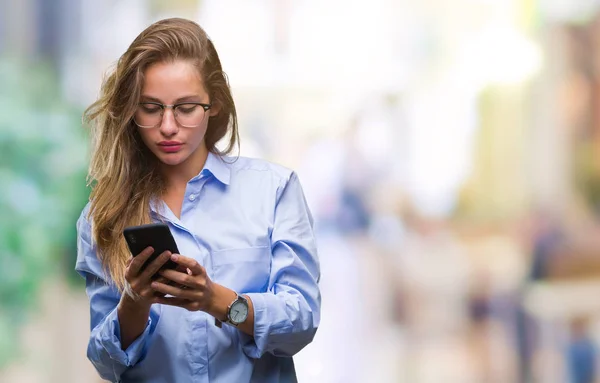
178	176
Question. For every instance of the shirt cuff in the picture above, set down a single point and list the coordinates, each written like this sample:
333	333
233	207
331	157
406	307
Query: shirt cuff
112	341
255	346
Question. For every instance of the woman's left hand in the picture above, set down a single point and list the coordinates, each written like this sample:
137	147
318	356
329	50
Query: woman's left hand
193	289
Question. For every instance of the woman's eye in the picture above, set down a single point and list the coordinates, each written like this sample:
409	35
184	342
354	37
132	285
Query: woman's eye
150	108
187	108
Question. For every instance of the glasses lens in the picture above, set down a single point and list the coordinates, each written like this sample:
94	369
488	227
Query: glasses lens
189	115
148	115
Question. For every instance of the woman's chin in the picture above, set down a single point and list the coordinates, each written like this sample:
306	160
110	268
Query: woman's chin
171	159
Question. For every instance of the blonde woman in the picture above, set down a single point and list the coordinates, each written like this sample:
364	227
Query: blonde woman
242	226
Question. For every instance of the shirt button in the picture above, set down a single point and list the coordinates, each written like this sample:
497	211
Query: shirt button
192	197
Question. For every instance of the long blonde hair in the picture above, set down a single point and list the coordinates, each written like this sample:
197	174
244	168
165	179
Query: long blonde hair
123	173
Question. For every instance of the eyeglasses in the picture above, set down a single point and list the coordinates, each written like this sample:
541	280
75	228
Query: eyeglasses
187	114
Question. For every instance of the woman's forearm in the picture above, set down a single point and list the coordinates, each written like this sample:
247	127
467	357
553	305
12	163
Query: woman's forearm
133	318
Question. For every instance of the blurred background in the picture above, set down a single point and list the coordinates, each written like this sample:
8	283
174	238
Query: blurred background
449	150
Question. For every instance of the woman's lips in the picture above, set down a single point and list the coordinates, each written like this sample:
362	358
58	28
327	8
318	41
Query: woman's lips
170	146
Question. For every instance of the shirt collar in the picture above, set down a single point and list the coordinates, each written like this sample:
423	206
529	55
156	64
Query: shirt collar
216	166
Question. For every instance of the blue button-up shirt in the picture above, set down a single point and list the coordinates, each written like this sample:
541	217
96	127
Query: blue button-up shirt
247	222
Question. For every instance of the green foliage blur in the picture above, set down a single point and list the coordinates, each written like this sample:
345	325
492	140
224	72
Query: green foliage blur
43	167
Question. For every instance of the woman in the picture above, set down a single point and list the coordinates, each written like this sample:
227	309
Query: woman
242	226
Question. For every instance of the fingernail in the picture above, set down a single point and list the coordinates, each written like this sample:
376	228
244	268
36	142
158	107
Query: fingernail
174	257
154	285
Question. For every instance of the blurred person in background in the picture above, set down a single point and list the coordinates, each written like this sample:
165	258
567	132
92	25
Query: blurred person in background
242	223
565	263
581	352
546	237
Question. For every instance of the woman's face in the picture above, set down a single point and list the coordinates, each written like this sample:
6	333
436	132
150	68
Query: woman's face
173	83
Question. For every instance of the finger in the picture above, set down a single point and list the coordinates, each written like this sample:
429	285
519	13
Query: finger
154	293
157	277
182	278
172	290
138	261
162	279
190	263
155	265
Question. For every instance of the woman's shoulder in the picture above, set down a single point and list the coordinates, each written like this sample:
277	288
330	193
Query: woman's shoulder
84	226
258	166
84	215
87	259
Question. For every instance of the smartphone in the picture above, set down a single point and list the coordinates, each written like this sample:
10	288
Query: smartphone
156	235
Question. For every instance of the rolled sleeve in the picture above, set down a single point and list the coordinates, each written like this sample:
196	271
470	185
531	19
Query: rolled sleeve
108	338
287	316
256	346
104	346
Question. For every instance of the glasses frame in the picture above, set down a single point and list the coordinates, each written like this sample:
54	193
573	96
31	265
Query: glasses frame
173	107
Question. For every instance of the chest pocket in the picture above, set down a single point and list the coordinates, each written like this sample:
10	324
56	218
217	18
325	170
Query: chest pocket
245	270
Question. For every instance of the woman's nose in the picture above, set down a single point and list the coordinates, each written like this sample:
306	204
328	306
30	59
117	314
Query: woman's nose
168	125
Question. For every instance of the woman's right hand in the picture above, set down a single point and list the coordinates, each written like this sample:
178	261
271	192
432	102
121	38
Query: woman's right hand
134	308
139	279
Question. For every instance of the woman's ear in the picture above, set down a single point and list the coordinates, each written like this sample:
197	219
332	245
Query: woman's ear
214	109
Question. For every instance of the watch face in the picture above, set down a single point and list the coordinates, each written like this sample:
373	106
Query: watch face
239	312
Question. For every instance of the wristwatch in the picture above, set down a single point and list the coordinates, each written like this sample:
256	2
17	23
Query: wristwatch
237	311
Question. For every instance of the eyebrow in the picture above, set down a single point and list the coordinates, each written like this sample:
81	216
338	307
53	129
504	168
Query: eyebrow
191	98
